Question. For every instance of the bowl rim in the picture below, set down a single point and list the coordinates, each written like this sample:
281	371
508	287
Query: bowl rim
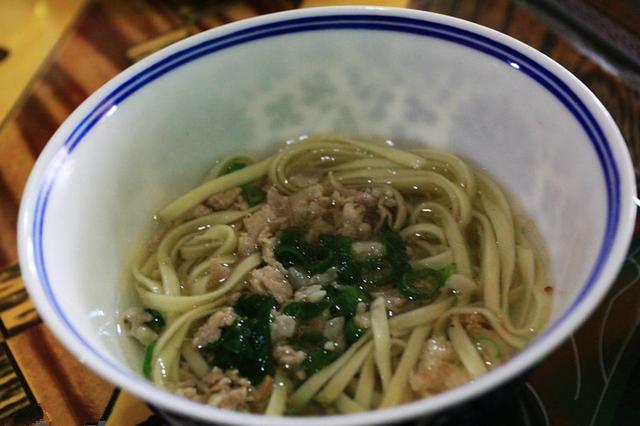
586	108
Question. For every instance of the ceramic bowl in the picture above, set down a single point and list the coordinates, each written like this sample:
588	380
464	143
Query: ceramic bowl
152	132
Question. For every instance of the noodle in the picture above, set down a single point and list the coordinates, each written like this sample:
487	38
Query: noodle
336	276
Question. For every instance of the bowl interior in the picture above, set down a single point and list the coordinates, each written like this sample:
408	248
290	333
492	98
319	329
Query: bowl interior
248	96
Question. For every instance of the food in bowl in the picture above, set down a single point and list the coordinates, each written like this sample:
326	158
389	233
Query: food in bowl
338	275
471	90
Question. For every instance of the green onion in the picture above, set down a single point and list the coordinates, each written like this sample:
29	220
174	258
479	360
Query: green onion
292	249
345	300
148	360
376	271
447	271
305	311
317	360
254	304
233	166
436	278
352	332
325	259
488	346
395	249
340	246
331	250
293	236
253	195
156	323
289	256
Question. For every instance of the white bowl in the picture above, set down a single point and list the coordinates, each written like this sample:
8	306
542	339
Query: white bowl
152	132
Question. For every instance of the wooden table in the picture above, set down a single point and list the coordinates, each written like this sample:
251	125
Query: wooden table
578	384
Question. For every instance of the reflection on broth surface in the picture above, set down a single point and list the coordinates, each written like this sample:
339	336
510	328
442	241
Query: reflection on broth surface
336	276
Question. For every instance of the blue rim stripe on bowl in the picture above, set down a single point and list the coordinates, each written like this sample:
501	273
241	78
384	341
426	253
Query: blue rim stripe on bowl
510	56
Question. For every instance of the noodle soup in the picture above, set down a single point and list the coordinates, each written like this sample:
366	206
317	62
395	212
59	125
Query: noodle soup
336	276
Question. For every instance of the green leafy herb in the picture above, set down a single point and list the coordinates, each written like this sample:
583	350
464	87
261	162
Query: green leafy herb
317	360
156	323
344	301
305	311
336	251
340	247
254	305
352	332
253	195
396	251
246	345
148	359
